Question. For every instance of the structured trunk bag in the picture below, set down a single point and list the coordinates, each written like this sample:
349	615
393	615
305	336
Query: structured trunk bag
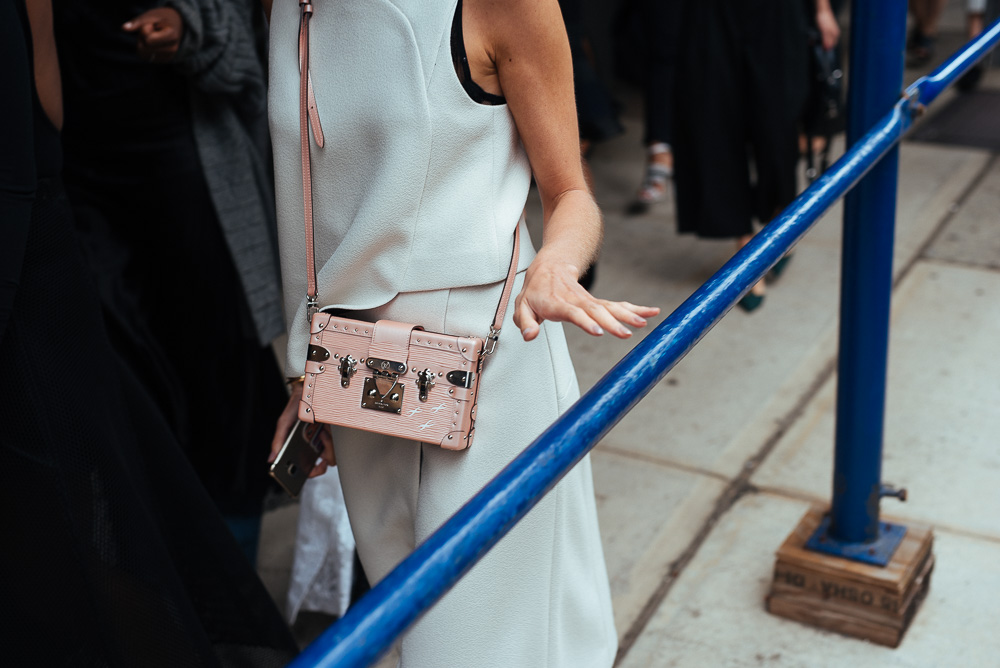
386	377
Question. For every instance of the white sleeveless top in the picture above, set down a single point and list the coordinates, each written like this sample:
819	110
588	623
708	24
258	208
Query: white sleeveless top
418	187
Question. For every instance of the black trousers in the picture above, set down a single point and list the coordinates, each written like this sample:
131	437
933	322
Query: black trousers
741	82
661	25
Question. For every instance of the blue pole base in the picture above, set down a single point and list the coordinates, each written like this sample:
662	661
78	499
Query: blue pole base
878	552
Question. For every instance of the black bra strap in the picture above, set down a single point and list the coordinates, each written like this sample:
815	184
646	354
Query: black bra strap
461	62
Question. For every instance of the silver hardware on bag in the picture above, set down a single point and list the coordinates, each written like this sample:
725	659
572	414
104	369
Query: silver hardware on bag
373	397
425	381
317	354
385	366
312	307
461	378
491	341
348	366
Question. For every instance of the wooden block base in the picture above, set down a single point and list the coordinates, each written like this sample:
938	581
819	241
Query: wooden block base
861	600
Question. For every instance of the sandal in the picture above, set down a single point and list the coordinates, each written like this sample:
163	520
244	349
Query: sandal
654	185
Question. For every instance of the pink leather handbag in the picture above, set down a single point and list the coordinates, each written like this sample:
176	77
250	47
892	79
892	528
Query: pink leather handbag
387	377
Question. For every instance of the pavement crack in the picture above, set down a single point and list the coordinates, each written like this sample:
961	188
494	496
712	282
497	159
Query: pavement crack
659	461
934	236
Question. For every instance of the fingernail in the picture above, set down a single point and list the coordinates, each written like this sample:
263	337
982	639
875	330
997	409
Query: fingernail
597	330
127	25
270	458
626	331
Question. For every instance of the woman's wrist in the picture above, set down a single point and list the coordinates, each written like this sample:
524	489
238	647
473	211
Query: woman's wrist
551	261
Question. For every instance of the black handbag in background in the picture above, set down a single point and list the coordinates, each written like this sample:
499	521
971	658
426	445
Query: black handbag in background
823	114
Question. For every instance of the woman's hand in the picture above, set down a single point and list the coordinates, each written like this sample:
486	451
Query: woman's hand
552	292
159	33
286	422
826	22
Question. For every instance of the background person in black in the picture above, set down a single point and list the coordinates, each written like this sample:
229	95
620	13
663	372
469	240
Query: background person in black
112	554
167	160
741	83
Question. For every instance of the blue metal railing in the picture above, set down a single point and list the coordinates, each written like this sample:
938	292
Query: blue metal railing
371	626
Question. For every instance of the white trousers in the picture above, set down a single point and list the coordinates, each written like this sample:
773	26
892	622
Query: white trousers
540	597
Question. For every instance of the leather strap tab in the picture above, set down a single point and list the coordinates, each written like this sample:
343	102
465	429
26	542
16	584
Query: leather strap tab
314	115
391	340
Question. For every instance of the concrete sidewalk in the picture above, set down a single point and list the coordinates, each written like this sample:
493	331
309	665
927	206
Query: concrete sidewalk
702	482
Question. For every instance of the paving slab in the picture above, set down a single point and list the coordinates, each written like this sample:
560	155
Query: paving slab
942	418
715	616
648	514
972	236
932	179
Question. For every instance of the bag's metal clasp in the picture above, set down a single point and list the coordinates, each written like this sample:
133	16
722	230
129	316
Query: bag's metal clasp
378	398
425	381
348	367
491	341
312	308
383	391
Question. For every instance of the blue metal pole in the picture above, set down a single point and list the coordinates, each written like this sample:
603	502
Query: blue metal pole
878	37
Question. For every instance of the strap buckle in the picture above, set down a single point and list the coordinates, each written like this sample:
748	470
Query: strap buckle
306	6
312	308
491	341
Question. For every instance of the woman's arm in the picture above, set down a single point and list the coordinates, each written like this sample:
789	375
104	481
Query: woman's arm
519	48
17	154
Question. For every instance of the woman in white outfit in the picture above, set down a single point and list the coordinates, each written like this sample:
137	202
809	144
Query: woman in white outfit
436	113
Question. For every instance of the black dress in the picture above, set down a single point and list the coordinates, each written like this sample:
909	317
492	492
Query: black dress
741	82
112	552
173	301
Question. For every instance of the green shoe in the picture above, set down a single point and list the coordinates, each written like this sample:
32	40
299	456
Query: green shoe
750	302
779	268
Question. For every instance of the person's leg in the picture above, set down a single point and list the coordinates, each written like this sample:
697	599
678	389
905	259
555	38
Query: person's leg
661	20
773	94
932	17
975	18
926	18
712	182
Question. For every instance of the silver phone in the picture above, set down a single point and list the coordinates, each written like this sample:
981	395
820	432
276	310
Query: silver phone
297	457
